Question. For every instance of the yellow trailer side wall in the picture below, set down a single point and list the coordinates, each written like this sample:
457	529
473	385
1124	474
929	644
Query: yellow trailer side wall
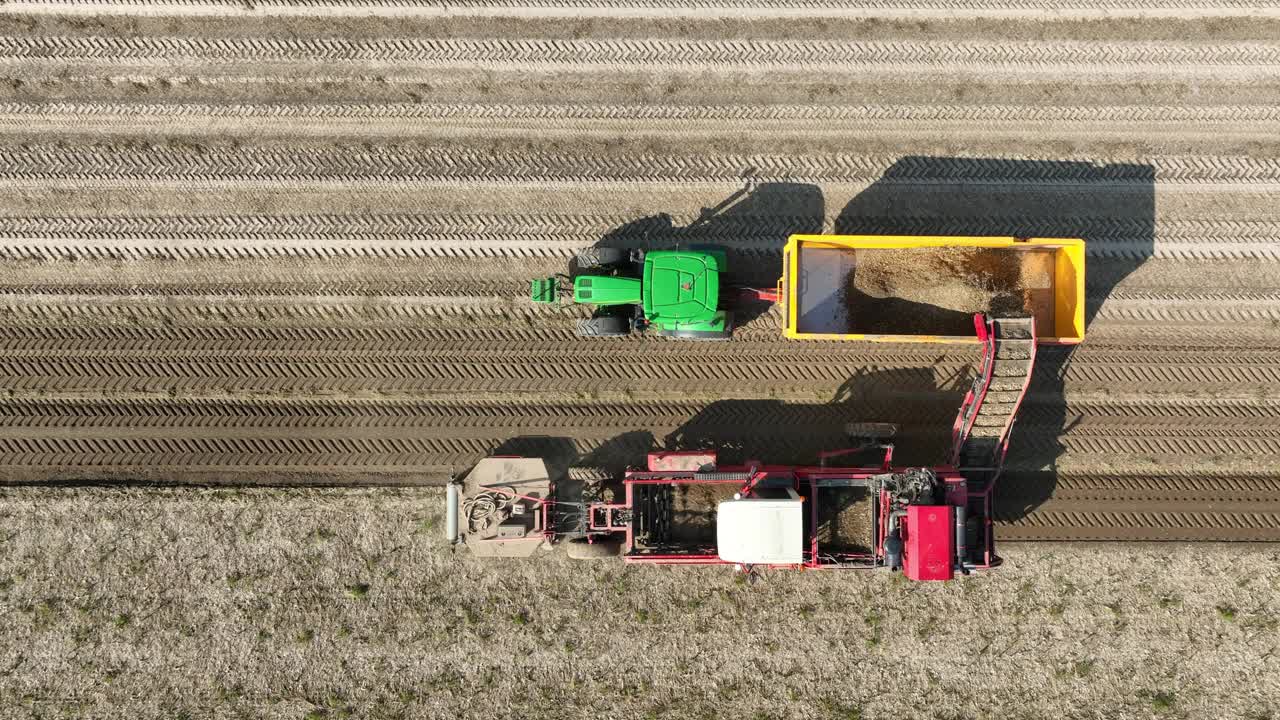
1068	280
1069	299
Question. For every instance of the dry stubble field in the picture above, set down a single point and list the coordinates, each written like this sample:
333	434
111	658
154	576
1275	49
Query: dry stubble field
274	603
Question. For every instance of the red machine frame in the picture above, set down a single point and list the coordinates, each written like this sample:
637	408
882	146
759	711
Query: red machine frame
613	520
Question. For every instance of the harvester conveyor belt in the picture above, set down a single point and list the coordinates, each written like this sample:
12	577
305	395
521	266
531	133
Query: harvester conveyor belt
980	436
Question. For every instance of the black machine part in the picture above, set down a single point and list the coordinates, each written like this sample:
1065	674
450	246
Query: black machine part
639	322
972	530
916	486
893	549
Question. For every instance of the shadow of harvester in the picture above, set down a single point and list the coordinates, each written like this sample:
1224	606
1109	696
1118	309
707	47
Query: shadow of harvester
918	401
922	405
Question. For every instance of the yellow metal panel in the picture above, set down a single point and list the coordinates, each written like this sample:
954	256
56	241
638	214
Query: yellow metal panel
947	339
1070	295
890	242
789	256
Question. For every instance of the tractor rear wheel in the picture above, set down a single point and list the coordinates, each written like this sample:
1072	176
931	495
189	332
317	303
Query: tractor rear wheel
600	550
601	257
604	326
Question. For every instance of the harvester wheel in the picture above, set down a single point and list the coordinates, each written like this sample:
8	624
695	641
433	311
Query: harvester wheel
599	550
601	257
604	326
870	430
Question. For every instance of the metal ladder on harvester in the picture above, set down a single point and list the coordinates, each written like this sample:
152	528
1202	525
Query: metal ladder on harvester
980	436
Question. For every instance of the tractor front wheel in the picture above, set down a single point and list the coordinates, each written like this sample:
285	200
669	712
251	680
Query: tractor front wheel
604	326
599	550
601	257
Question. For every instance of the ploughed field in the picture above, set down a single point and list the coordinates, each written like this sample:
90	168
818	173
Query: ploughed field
290	243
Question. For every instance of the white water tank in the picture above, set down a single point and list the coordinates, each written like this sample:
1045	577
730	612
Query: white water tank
761	531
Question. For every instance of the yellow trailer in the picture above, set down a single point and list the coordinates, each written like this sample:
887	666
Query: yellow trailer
927	289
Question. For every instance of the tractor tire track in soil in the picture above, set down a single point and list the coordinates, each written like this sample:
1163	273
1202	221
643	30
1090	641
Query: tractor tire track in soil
406	56
289	242
412	167
755	9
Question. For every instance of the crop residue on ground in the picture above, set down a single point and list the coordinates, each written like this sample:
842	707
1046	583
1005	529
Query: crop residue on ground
348	603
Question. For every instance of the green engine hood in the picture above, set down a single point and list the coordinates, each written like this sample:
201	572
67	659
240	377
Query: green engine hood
606	290
680	286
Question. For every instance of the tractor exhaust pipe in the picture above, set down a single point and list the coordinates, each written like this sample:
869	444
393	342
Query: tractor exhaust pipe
453	495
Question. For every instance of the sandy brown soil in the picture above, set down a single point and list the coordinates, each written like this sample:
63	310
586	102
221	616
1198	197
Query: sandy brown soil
965	279
289	242
280	604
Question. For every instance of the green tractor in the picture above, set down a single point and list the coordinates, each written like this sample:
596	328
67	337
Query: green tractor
676	293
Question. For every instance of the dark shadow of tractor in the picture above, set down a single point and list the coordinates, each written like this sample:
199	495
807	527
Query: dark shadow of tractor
751	225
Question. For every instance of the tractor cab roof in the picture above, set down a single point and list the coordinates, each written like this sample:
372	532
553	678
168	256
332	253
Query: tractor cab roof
761	531
680	285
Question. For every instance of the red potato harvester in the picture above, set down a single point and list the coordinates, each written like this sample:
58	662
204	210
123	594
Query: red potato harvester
853	509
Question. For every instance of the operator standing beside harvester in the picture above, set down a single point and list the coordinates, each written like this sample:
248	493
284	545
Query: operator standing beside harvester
687	508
